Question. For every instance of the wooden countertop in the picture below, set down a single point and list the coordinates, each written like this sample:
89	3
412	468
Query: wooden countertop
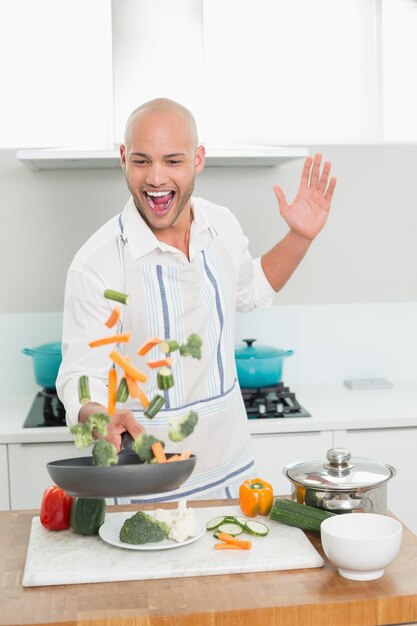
297	597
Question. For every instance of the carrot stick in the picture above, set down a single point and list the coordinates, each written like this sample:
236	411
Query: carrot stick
120	337
128	368
234	540
112	391
185	455
174	457
136	392
148	345
159	453
230	546
113	317
161	363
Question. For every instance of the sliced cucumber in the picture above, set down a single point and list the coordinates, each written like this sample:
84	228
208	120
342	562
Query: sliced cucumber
256	528
242	520
214	523
230	529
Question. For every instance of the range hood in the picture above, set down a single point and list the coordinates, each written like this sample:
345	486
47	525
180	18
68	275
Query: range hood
108	157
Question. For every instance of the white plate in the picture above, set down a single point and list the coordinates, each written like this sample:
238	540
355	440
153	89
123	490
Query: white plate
110	530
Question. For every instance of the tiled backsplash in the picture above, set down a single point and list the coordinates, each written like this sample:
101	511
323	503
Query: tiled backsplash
331	342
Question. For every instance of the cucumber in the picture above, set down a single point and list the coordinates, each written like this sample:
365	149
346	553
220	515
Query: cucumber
83	390
242	520
118	296
215	522
123	391
299	515
169	345
155	405
256	528
230	529
164	378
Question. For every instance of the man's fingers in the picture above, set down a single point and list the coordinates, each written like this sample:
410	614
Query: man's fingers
324	177
314	181
305	174
280	196
330	189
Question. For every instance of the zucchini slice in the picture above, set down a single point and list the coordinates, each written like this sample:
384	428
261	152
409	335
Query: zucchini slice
256	528
214	523
230	529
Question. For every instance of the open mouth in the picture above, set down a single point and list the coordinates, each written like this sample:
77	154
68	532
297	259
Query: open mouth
159	201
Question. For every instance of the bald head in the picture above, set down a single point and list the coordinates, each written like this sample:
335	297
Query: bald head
162	107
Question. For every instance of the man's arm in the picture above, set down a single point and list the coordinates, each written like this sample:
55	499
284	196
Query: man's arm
306	216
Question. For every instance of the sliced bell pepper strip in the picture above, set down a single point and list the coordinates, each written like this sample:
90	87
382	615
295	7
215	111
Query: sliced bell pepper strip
128	368
148	345
255	497
185	455
174	457
119	338
113	317
112	391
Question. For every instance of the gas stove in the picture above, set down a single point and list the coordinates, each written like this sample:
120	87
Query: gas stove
46	410
270	402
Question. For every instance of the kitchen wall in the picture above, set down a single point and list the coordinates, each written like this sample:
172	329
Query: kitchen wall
349	310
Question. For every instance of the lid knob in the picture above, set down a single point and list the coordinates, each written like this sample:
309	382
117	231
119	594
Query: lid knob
249	342
338	460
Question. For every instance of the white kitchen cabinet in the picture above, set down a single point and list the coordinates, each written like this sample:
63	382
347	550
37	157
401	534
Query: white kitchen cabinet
397	447
4	480
274	452
27	470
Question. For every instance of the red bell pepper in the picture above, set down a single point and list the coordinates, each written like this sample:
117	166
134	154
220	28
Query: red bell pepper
55	509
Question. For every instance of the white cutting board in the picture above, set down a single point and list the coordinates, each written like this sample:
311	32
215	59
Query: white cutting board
64	558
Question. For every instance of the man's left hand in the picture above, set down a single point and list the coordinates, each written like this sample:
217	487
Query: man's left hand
307	215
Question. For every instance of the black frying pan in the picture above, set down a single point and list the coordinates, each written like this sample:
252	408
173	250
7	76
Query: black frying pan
130	477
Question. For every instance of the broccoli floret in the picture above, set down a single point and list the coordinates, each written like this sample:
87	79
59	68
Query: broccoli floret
143	528
182	427
143	446
104	453
83	437
98	422
192	347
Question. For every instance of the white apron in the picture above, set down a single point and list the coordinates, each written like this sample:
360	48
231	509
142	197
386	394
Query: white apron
171	302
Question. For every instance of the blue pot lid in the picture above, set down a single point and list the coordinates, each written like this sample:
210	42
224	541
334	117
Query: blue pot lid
250	351
52	348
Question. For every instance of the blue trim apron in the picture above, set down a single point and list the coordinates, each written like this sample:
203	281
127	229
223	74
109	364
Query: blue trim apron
171	302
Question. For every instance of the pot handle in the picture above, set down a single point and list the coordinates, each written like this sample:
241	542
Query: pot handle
28	351
287	353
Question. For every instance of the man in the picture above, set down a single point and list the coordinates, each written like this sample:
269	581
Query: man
185	264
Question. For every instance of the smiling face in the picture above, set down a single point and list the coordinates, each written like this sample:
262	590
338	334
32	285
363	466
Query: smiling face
160	159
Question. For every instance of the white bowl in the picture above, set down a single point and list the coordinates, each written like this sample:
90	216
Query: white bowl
361	545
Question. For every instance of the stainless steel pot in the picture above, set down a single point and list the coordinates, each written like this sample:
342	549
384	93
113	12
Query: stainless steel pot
340	483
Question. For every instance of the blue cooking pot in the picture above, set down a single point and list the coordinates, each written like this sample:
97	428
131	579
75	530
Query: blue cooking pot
46	361
259	366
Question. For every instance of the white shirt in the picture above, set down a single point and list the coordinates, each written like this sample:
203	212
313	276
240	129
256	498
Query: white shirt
97	266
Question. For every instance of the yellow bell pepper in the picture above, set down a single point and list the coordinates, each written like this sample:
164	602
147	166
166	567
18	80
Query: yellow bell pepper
255	497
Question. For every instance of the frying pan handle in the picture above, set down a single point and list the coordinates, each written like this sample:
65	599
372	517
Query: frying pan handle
127	441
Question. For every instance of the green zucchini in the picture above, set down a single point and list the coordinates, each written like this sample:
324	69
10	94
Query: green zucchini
123	391
87	515
118	296
299	515
169	345
83	390
164	378
155	405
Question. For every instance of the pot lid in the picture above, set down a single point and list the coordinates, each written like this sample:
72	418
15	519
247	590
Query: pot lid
47	348
339	471
259	351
